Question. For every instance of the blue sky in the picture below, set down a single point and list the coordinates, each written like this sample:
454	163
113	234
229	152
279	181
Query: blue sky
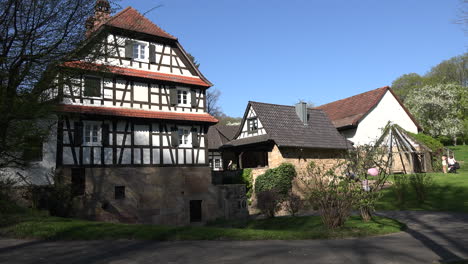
320	51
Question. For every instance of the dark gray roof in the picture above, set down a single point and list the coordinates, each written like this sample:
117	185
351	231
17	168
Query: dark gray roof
284	127
218	135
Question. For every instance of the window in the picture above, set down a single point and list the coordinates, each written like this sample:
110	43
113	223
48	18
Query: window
92	86
252	124
92	132
182	97
33	150
78	181
217	163
211	163
119	192
139	51
184	136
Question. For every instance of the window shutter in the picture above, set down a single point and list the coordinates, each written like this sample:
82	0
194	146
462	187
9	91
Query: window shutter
174	137
193	98
152	54
78	136
105	135
195	141
92	86
128	49
173	95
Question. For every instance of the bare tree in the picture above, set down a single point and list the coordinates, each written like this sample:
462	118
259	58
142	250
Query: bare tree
36	38
212	107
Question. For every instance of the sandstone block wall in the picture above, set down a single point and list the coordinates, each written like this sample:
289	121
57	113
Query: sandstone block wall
156	195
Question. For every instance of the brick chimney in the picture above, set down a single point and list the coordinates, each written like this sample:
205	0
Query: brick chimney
101	15
301	111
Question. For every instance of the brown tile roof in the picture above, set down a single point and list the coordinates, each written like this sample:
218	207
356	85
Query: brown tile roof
136	73
131	19
124	112
350	111
284	127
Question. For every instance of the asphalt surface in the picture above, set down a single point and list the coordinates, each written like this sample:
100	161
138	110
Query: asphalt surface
431	237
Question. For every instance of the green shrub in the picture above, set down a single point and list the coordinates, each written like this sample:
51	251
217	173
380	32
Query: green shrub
278	179
247	179
400	187
421	184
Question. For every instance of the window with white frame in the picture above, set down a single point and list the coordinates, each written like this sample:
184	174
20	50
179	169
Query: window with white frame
184	137
217	163
139	51
252	124
92	133
183	97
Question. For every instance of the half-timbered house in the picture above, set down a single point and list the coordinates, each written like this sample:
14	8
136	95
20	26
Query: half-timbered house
271	134
131	129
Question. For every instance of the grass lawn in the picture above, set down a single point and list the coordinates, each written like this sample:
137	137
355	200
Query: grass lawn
40	226
449	193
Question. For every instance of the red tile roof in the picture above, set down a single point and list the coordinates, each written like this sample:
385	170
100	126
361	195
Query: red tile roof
111	111
137	73
131	19
350	111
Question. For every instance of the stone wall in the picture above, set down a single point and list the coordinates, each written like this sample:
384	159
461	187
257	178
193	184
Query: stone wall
156	195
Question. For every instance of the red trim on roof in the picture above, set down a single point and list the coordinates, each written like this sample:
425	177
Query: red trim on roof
136	73
124	112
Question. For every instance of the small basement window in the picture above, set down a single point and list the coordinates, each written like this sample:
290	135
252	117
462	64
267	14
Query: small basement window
119	192
33	150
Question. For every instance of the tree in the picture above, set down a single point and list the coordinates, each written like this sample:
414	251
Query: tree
453	70
406	83
212	107
439	109
36	37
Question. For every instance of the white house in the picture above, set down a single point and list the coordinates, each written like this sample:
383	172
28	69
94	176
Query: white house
361	118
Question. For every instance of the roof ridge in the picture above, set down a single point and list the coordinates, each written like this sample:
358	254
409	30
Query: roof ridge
384	87
309	108
118	14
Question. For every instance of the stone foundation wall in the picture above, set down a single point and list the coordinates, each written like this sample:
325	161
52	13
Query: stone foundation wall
155	195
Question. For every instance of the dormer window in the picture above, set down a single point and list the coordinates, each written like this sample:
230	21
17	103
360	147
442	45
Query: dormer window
139	51
252	124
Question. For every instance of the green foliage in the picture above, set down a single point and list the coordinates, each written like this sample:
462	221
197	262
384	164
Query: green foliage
278	179
406	83
400	187
441	112
433	144
247	179
449	192
438	109
421	184
430	142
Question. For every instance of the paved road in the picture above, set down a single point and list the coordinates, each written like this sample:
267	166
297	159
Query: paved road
431	237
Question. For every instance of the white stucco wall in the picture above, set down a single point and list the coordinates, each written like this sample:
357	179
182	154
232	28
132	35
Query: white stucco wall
370	128
38	172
